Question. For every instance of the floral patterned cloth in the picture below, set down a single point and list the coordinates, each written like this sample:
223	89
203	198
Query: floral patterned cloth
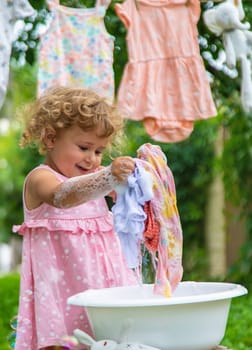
146	213
164	206
77	50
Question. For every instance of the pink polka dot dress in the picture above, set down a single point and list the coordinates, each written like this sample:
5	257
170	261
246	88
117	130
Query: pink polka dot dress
65	251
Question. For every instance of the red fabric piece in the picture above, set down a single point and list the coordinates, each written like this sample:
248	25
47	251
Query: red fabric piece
152	229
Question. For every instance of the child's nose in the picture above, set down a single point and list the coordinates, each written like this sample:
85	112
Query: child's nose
90	156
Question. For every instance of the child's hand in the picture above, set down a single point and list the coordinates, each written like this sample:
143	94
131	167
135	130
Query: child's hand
122	167
113	196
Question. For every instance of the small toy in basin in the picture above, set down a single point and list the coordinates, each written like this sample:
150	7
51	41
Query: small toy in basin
107	344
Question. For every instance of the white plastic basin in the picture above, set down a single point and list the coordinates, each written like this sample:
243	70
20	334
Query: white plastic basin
194	318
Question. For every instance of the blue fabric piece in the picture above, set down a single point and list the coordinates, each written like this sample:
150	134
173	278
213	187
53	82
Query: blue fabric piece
129	215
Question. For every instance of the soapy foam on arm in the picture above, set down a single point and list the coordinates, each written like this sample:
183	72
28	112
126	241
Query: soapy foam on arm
83	188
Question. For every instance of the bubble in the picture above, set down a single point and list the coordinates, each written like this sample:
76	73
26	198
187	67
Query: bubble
11	338
13	322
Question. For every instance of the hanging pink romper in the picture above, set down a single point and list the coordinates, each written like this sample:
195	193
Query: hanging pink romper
65	251
164	83
77	50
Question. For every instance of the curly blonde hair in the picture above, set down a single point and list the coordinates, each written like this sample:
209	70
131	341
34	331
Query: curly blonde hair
63	107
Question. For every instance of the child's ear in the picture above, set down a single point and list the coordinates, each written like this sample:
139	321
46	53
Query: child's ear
49	137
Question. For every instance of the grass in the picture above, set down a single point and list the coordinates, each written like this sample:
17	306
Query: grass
239	331
238	334
9	291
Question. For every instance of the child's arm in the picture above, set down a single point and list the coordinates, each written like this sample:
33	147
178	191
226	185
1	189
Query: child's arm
45	187
80	189
83	188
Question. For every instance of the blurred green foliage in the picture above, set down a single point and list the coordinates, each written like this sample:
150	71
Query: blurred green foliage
238	334
9	293
14	161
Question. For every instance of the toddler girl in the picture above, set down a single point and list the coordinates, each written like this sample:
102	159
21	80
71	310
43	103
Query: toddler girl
69	243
